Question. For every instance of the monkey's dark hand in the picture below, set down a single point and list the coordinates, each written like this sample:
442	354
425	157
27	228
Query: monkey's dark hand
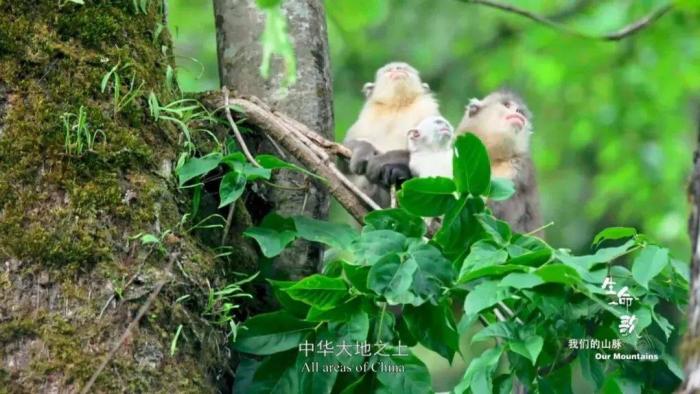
362	152
390	168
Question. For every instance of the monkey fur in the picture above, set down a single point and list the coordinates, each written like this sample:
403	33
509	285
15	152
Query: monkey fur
503	122
430	147
395	102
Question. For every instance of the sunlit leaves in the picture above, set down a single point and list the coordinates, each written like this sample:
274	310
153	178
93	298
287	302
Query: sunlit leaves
649	263
427	196
472	170
319	291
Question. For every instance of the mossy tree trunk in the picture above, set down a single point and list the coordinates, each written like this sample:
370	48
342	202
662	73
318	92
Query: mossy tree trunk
66	219
239	25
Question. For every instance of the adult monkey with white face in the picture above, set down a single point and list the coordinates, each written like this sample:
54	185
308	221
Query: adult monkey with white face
397	101
504	124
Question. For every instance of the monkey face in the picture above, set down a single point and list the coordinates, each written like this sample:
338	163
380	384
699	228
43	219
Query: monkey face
432	133
502	122
396	80
500	113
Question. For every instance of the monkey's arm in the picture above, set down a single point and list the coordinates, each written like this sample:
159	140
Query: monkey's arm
362	151
390	168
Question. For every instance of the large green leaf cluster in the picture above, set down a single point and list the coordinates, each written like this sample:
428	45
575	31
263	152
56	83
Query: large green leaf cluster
389	284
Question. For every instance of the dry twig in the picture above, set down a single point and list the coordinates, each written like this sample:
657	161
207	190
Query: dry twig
309	148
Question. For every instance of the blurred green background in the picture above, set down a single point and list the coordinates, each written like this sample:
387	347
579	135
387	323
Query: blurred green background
615	122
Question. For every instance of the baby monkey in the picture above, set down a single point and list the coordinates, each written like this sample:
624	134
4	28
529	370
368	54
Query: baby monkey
430	146
504	124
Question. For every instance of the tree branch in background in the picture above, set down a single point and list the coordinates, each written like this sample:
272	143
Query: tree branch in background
626	31
309	148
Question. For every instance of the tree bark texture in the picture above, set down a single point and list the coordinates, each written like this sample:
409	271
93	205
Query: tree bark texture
71	275
239	25
691	344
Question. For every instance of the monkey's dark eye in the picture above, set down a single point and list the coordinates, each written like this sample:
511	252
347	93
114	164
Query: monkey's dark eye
507	104
520	111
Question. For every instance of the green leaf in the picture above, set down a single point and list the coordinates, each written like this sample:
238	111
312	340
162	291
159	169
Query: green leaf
501	189
460	227
395	219
605	255
521	280
483	296
297	308
391	278
353	330
478	376
426	196
197	166
613	233
472	169
673	366
147	239
342	312
557	382
681	268
274	374
321	382
483	254
501	329
337	235
533	259
489	271
319	291
272	162
253	173
357	276
270	333
414	378
433	271
649	263
558	273
232	186
271	242
433	327
498	229
373	245
591	369
530	347
276	41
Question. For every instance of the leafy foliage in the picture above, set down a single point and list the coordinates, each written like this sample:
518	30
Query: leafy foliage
391	287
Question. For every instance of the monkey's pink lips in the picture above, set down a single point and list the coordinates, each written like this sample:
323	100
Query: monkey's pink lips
398	74
516	118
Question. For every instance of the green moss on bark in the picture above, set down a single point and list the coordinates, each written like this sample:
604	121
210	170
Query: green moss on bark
65	220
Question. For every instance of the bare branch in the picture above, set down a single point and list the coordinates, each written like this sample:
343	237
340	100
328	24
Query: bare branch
628	30
237	132
309	148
